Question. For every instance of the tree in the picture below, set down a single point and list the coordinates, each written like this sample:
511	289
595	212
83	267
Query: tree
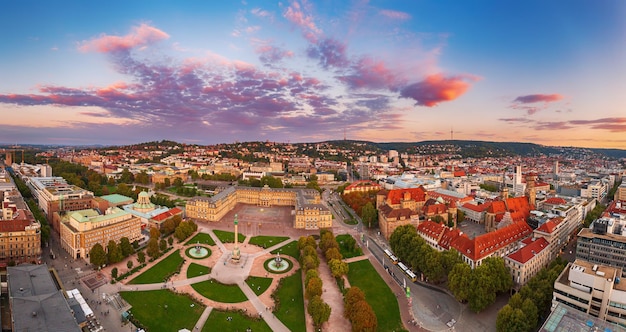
319	310
369	215
129	264
483	290
114	273
126	248
170	241
460	281
153	248
126	176
97	256
304	241
154	233
510	319
364	318
333	253
328	241
310	274
313	288
142	178
162	245
338	268
168	226
178	182
353	295
141	257
114	252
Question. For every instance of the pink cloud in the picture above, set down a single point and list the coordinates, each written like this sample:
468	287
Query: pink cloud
529	99
296	15
139	36
370	73
436	88
396	15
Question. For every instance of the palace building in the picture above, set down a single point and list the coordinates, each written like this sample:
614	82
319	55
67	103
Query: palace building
309	212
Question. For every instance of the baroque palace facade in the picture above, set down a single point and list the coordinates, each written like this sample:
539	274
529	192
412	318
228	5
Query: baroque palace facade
309	212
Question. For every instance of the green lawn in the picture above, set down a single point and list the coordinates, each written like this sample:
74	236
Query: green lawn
345	251
267	241
202	238
149	308
351	221
290	249
218	321
215	291
196	270
290	299
228	237
377	293
162	269
259	284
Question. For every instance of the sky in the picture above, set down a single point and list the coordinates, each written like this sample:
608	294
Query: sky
206	72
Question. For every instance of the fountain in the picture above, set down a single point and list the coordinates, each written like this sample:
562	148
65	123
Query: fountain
198	252
278	264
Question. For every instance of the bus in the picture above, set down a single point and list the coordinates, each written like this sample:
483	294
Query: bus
403	267
411	275
391	256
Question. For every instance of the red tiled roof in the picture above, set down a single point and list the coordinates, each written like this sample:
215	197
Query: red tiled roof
435	209
162	216
497	207
459	173
449	234
394	196
16	224
484	245
519	208
529	251
431	229
475	208
555	201
550	225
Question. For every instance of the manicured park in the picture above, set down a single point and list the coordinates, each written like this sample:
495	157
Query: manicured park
265	241
259	284
163	310
289	299
238	321
195	270
290	249
228	237
348	246
201	238
218	292
161	270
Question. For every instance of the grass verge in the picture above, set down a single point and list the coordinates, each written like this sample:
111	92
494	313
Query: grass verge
265	241
203	238
377	293
216	291
228	237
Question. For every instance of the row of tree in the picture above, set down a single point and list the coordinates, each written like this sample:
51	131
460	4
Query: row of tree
27	195
413	250
318	309
594	214
358	311
116	252
533	301
330	248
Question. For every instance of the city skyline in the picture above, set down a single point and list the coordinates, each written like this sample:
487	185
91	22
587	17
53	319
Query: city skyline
194	72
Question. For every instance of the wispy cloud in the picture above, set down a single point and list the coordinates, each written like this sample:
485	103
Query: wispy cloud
141	35
395	15
522	102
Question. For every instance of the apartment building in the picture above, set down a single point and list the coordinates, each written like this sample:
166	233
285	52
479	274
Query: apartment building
593	289
81	230
527	261
309	212
20	233
558	230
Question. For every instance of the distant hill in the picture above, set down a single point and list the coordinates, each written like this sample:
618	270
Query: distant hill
478	149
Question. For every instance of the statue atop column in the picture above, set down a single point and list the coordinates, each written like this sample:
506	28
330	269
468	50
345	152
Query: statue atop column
236	252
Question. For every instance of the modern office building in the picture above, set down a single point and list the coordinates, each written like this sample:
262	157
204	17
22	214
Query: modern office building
594	289
54	194
81	230
603	243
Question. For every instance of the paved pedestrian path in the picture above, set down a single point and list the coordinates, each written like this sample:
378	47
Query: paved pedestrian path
205	315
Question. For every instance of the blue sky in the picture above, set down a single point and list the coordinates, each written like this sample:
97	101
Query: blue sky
119	72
